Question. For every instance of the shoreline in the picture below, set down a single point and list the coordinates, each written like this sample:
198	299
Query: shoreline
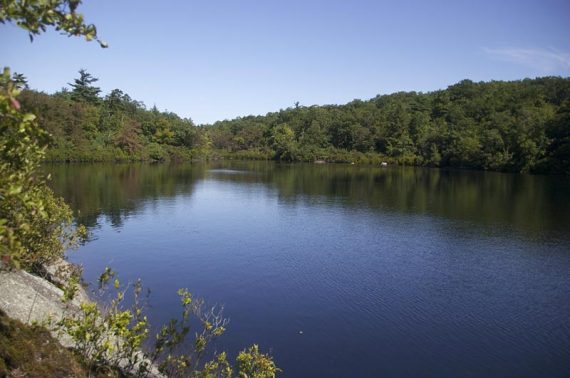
38	301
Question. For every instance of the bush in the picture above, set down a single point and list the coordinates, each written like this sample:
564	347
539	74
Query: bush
155	152
35	226
114	336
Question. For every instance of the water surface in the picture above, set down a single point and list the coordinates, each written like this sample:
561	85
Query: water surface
385	271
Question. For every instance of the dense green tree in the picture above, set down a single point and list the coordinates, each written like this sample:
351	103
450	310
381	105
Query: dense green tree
505	126
558	130
83	90
20	80
283	142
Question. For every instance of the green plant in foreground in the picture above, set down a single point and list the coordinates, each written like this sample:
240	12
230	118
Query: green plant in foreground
36	15
115	337
36	227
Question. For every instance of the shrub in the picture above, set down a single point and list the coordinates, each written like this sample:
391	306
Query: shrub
36	227
114	337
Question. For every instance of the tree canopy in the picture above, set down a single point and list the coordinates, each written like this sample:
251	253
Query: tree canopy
518	126
83	90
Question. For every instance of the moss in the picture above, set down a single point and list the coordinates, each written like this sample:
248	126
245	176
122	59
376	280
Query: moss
31	351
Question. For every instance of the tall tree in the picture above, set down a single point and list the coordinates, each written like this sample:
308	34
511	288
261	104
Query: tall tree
83	90
20	80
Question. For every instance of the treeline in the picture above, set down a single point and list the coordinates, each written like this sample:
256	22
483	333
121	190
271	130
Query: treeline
519	126
516	126
87	127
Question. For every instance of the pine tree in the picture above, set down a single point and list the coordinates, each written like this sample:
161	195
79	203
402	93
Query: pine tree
83	91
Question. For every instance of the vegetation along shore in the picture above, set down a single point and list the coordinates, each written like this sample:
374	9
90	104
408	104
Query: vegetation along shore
516	126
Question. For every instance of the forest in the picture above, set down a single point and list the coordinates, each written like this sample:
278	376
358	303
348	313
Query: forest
516	126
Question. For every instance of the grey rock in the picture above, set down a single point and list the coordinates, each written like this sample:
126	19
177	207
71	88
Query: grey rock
30	299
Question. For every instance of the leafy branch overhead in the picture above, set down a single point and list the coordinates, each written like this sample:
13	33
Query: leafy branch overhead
36	16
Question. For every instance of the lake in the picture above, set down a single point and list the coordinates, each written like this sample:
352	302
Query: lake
345	271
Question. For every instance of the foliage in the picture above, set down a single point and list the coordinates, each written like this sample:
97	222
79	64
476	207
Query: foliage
252	363
517	126
36	15
111	338
283	142
115	337
82	88
558	132
35	226
87	127
71	284
30	351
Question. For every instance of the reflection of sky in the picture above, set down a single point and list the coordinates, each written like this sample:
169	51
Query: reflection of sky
384	285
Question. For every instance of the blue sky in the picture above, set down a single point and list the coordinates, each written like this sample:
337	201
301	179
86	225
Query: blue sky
211	60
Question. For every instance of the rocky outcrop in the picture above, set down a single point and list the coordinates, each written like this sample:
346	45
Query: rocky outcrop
30	298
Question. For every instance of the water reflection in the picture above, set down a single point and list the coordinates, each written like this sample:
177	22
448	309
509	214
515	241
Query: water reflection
116	191
456	271
530	204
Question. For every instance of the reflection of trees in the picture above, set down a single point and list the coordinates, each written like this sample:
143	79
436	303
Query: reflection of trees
118	190
531	203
